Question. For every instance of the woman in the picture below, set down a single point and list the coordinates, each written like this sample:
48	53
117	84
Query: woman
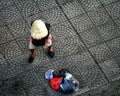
40	36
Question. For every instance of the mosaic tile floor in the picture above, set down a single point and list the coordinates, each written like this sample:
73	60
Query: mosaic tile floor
86	40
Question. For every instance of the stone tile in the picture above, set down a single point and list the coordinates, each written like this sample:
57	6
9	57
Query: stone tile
63	1
105	2
10	14
2	21
98	16
114	77
108	31
37	91
29	79
5	3
91	37
113	10
4	67
82	23
27	8
5	70
18	28
114	45
53	16
91	29
31	19
19	64
12	87
5	35
45	5
101	52
23	43
117	22
82	92
10	50
72	9
18	1
65	38
84	66
110	67
89	4
1	94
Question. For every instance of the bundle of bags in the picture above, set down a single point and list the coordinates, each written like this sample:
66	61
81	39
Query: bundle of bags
62	80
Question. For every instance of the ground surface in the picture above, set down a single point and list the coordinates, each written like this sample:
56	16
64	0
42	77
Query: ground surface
86	40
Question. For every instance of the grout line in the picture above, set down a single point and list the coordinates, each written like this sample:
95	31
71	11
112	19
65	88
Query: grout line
91	53
83	41
109	14
114	25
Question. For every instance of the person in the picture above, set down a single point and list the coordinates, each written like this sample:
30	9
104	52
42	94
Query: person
63	81
40	36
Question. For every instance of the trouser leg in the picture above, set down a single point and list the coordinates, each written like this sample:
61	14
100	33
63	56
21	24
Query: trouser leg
32	56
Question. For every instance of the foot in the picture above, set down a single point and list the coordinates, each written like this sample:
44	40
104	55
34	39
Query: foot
30	60
50	52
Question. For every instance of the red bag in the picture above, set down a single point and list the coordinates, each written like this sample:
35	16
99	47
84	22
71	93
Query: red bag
55	82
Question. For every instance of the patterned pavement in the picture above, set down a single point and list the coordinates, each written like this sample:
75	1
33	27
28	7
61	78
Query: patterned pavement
86	40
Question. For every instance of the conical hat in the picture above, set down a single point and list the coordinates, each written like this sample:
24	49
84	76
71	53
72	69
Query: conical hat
38	30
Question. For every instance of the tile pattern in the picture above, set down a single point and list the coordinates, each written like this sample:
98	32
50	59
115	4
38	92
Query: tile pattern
86	39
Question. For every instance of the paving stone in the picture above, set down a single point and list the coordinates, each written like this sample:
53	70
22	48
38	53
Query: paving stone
23	43
111	89
18	29
105	2
53	16
99	16
85	40
12	87
37	91
89	34
5	70
82	23
89	4
30	19
18	64
65	38
114	45
2	21
114	77
3	67
9	51
72	9
10	14
101	52
1	94
85	67
5	3
45	5
108	31
63	1
27	8
82	92
18	1
91	37
117	22
113	10
5	35
110	67
29	79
